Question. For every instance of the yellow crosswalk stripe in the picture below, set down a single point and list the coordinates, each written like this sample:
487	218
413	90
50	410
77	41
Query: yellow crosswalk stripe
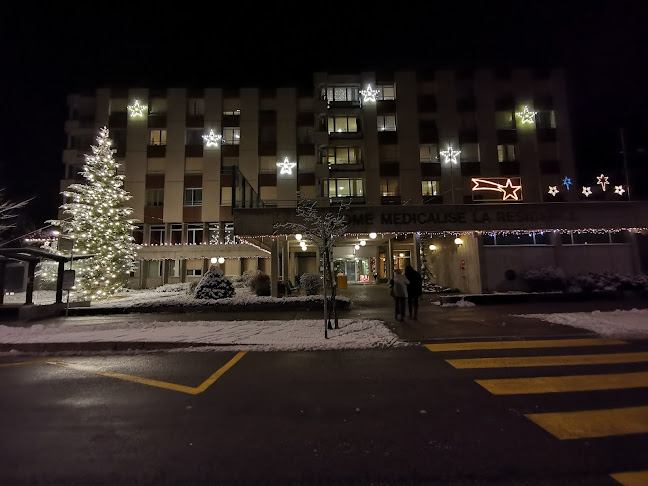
573	383
543	343
631	478
525	361
588	424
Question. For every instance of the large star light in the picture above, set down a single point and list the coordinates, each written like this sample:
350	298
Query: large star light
567	182
212	139
286	166
587	191
619	190
527	116
553	190
450	155
136	110
603	181
369	94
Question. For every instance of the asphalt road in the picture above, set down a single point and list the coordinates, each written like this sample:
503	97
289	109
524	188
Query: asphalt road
388	416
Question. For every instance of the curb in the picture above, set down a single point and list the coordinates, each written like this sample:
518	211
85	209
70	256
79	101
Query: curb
116	346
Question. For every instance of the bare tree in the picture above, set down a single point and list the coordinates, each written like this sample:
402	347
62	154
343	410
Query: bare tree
8	212
324	231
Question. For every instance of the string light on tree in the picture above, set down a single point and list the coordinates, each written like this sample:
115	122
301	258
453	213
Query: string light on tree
286	166
602	181
136	110
619	190
99	225
369	94
553	190
212	139
567	182
587	191
450	155
527	116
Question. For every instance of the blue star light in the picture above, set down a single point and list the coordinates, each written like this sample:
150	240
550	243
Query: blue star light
567	182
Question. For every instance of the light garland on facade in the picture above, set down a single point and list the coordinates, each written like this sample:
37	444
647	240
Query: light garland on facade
136	110
450	155
602	181
212	139
527	116
567	182
553	190
286	166
619	190
369	94
587	191
508	190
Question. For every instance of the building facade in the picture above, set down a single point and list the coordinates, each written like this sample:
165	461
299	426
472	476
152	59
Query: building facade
416	154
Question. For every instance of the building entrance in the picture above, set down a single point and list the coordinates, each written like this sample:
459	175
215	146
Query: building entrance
356	269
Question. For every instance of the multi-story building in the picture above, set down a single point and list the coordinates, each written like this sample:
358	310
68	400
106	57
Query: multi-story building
483	157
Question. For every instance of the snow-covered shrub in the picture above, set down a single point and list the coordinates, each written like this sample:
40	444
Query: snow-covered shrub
312	282
545	279
174	287
260	284
607	281
214	285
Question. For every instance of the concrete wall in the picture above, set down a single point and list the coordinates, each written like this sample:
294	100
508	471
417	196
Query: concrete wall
456	266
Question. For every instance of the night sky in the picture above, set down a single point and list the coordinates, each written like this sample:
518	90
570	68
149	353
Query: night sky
46	53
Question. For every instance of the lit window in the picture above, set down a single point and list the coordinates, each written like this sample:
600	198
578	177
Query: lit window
342	124
341	155
232	136
386	92
429	153
342	187
342	93
429	188
232	112
506	152
193	196
389	186
157	137
386	123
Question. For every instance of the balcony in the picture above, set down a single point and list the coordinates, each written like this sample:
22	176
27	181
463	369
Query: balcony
345	135
343	104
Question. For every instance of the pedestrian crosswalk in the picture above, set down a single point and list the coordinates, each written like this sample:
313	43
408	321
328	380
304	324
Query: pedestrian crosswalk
547	368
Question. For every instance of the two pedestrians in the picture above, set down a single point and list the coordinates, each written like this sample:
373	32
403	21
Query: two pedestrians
398	291
414	290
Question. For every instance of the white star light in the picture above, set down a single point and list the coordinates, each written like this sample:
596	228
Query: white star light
212	139
369	94
587	191
136	110
450	155
553	190
527	116
286	166
619	190
603	181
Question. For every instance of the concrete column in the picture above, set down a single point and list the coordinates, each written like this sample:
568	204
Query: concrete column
183	270
29	293
274	268
389	261
165	272
284	260
416	262
556	241
377	270
292	267
634	249
2	288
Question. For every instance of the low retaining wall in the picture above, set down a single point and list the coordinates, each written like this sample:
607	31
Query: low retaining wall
485	299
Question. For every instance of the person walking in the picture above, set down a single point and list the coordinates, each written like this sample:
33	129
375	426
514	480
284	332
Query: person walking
398	291
414	290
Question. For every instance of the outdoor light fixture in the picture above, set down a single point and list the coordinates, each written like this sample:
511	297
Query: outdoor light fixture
401	255
373	236
214	260
527	116
450	155
363	242
212	139
303	248
136	110
221	260
357	247
602	181
298	236
55	233
286	166
432	247
369	94
458	241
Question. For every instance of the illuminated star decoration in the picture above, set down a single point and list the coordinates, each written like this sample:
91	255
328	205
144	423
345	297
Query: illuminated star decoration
527	116
369	94
567	182
136	110
212	139
619	190
509	190
553	190
603	181
587	191
286	166
450	155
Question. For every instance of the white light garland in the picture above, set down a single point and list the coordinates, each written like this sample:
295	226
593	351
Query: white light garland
450	155
286	166
619	190
602	181
212	139
553	190
567	182
587	191
527	116
136	110
369	94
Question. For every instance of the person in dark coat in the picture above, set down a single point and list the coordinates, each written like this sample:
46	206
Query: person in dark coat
414	290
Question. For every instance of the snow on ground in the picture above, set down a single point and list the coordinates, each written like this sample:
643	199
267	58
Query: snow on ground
272	335
616	324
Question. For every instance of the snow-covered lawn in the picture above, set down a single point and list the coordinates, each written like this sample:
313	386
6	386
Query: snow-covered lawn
616	324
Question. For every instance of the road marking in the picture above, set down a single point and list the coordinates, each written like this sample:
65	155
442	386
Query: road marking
593	423
632	478
517	362
540	343
574	383
157	383
7	365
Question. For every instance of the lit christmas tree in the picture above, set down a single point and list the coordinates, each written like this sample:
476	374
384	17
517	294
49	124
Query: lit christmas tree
99	225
